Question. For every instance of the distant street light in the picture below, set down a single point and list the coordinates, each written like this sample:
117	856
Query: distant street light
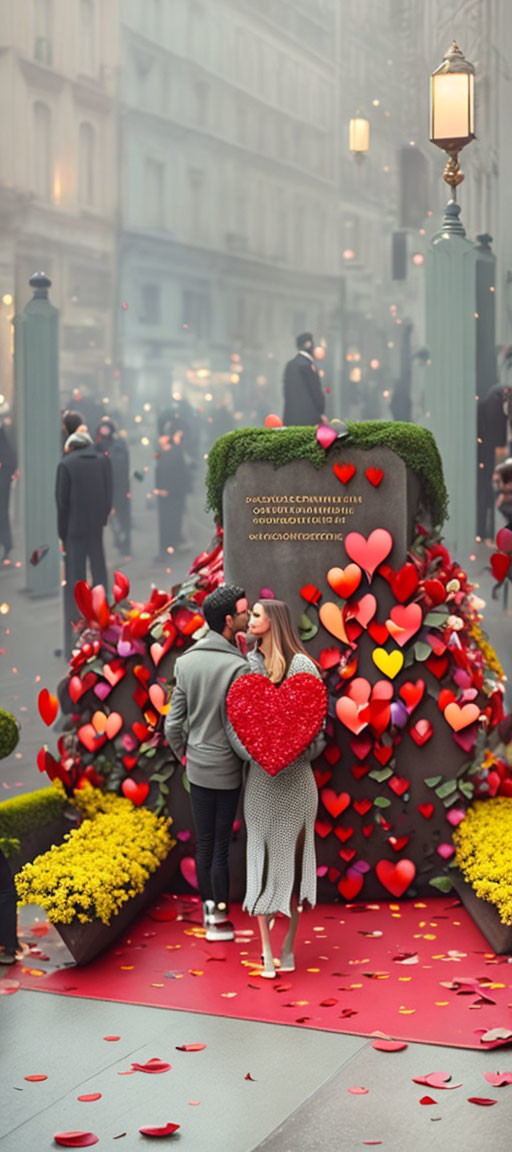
452	110
359	136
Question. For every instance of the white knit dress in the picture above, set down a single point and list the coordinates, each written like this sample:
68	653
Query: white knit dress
276	810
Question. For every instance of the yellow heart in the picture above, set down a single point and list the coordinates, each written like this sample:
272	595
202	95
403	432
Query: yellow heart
389	663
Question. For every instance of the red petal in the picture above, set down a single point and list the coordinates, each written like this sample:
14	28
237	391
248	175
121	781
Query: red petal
389	1045
154	1065
91	1096
190	1047
35	1079
48	706
75	1139
167	1130
357	1091
497	1079
427	1100
111	1037
483	1100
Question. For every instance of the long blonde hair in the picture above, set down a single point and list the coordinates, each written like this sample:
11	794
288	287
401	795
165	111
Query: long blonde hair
285	641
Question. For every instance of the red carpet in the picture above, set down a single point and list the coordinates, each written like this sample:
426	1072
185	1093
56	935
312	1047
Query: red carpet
418	970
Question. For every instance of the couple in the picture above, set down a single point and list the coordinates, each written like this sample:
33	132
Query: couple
279	811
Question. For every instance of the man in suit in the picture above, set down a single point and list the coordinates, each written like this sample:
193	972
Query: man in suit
304	400
83	492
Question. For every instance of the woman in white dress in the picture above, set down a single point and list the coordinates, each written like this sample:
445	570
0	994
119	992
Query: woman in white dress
280	810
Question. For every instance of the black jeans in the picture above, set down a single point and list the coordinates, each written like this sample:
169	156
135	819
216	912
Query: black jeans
8	900
213	811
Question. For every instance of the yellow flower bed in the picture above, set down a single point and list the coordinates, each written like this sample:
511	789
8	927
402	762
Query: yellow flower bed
484	852
101	864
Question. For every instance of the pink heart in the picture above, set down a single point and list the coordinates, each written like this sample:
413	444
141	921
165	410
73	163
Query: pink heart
157	697
371	552
102	690
359	690
454	816
353	717
404	622
446	851
326	436
188	870
156	652
364	609
504	540
129	742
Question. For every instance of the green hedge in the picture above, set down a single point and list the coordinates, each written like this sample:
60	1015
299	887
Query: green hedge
416	446
23	814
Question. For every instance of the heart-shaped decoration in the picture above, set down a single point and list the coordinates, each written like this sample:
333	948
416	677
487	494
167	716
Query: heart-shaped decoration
343	834
412	693
421	732
455	816
323	828
329	658
83	599
404	582
345	581
347	854
390	663
114	672
331	753
99	722
398	843
426	810
322	777
395	878
399	714
364	609
359	770
383	753
367	830
369	553
378	632
459	718
113	725
276	724
136	792
380	715
188	871
435	590
361	746
78	686
90	738
350	884
156	652
331	617
344	472
466	740
500	565
326	436
100	605
352	715
399	785
359	690
335	802
48	706
504	540
375	476
404	622
158	699
102	690
362	806
438	665
445	697
130	762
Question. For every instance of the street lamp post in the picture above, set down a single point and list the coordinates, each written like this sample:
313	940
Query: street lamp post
452	111
359	136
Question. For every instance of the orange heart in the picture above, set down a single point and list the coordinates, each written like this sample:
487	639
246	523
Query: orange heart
99	722
332	619
48	706
458	717
345	581
113	725
90	738
157	697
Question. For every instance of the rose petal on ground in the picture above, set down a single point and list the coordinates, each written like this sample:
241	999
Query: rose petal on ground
497	1079
166	1130
249	1077
110	1038
89	1097
483	1100
190	1047
358	1091
75	1139
153	1065
389	1045
427	1100
35	1079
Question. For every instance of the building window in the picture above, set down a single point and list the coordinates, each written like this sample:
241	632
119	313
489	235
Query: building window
87	53
43	38
150	304
43	151
196	317
196	203
86	164
155	174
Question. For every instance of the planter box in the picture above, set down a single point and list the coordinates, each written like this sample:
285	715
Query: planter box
486	917
86	941
40	840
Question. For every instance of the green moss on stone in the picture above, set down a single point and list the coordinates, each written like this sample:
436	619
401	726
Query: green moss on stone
416	447
25	813
9	733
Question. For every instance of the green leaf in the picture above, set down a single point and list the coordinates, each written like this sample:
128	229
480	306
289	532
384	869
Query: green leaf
422	651
431	781
307	630
435	619
164	790
446	789
185	781
380	774
467	788
382	802
150	753
442	883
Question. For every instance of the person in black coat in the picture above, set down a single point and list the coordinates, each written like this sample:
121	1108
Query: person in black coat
171	487
83	492
108	443
304	400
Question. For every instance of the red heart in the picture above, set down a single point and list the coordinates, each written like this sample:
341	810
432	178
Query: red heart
322	828
383	753
500	565
114	672
445	697
141	731
83	599
436	643
332	754
329	658
77	686
367	830
407	619
374	475
371	552
130	762
398	842
276	724
421	732
395	878
361	746
344	472
426	810
347	854
399	785
362	806
404	582
378	632
136	792
48	706
350	884
438	665
380	714
412	693
311	593
335	802
345	581
359	770
504	540
142	674
354	717
322	778
333	874
435	591
91	739
343	834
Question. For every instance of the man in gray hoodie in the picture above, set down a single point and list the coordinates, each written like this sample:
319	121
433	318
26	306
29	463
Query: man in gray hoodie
196	724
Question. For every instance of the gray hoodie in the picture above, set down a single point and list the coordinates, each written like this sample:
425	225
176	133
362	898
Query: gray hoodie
196	722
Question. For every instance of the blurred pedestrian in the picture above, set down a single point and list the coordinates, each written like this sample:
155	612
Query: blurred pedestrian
83	493
8	923
171	487
304	400
8	466
110	443
71	421
491	434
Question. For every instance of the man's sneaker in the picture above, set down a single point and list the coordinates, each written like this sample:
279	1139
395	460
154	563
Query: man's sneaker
216	922
7	957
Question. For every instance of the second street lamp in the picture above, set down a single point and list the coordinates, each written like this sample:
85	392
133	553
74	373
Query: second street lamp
452	110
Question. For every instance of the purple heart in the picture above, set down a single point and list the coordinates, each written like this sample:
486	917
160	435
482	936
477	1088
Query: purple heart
360	867
102	689
184	835
462	678
399	714
326	436
125	648
467	738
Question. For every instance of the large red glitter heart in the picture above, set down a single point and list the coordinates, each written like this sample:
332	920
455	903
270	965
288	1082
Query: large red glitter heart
276	724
